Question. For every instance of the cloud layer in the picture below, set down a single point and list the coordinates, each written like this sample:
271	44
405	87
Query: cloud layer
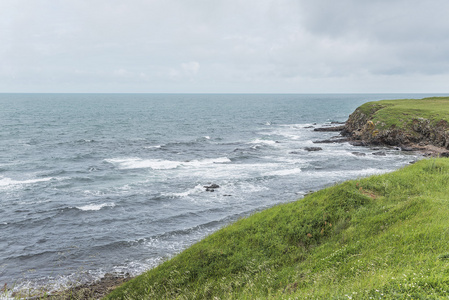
224	46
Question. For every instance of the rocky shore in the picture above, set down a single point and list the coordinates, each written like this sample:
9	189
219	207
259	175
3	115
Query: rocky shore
88	291
366	126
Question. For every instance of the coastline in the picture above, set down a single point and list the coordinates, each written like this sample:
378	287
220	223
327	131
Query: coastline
109	282
354	236
87	291
426	150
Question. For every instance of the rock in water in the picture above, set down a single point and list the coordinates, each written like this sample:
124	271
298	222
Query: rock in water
211	188
358	153
313	148
330	129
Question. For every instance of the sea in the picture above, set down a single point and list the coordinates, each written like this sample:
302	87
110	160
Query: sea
116	183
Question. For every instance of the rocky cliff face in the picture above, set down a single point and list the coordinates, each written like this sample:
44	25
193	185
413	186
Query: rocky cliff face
361	127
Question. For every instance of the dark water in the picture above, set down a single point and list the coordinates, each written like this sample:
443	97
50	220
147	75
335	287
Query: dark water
96	183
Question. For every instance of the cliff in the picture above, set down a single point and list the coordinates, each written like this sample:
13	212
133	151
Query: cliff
406	123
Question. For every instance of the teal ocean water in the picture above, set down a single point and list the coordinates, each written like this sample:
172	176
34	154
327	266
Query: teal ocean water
98	183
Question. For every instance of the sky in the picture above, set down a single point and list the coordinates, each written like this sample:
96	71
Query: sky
224	46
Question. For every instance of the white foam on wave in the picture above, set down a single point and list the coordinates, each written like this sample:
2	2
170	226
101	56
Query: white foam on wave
289	133
85	141
5	181
160	164
347	174
153	147
261	141
226	171
94	193
249	188
52	283
138	163
207	161
297	126
196	190
95	207
284	172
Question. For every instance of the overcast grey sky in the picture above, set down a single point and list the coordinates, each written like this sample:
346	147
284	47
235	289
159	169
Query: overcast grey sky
224	46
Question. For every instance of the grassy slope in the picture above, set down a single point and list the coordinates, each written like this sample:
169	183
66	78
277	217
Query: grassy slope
383	236
402	112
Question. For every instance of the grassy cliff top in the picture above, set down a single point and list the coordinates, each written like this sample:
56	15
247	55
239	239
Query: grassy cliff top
384	236
400	112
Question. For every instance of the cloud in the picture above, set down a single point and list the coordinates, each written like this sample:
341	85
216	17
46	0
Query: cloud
220	46
190	68
399	37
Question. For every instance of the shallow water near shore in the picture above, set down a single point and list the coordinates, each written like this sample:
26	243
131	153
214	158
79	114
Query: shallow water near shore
98	183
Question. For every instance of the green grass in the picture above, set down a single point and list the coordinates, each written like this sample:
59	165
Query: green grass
382	237
400	113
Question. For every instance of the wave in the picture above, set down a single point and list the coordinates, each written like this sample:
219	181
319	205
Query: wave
153	147
138	163
7	182
95	207
83	141
284	172
159	164
196	190
293	132
347	174
262	141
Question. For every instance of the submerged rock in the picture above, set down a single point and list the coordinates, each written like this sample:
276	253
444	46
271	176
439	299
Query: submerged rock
358	153
294	152
310	149
330	141
330	129
358	143
211	188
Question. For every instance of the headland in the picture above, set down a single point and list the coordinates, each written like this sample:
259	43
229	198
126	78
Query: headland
410	124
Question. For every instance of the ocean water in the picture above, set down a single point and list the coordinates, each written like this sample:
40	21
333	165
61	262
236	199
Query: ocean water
98	183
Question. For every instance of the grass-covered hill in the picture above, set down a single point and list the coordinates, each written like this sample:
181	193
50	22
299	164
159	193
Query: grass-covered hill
382	237
401	122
